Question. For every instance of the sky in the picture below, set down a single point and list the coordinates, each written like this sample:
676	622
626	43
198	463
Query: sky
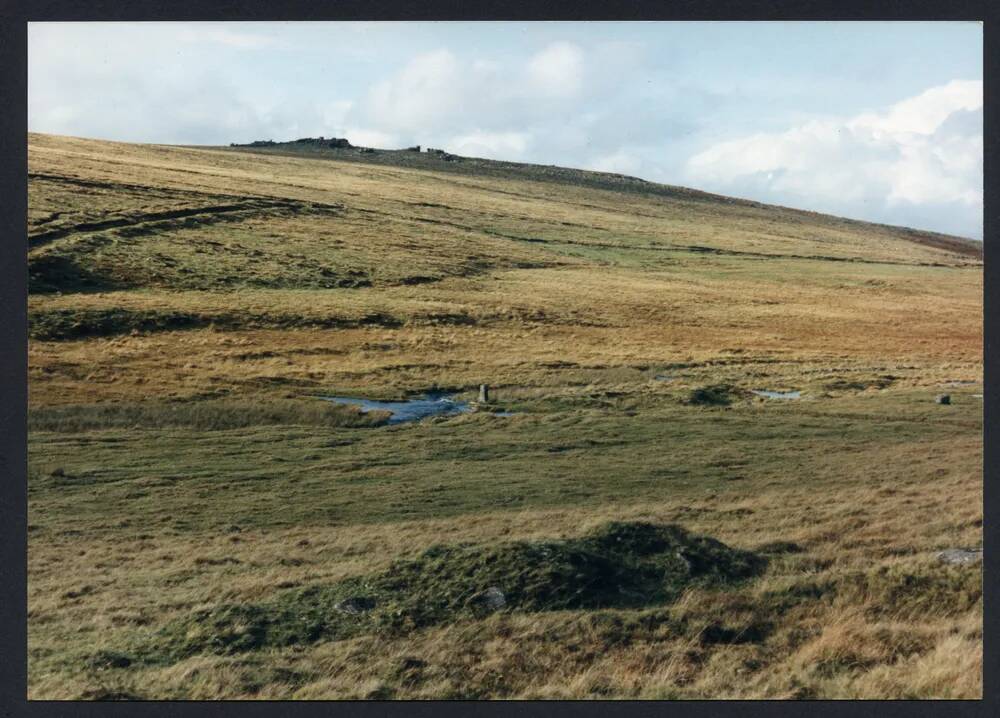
881	121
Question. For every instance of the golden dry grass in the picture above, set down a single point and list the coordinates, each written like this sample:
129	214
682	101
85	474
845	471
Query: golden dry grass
569	301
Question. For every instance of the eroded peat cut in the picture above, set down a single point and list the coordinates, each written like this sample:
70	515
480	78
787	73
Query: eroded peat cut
590	437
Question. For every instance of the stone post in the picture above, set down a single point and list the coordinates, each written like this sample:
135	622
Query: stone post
484	393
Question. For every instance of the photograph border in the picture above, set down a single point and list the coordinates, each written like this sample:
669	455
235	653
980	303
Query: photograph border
13	334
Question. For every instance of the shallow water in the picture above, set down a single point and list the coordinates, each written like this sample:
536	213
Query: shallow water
432	404
779	394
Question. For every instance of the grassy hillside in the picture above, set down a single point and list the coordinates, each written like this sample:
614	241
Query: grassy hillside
198	517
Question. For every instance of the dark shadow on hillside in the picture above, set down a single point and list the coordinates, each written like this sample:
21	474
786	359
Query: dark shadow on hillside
51	273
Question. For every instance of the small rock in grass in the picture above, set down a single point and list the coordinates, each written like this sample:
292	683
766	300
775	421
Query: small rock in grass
943	399
356	604
492	598
961	556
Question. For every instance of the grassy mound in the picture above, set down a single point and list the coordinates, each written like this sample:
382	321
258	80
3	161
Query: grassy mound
620	565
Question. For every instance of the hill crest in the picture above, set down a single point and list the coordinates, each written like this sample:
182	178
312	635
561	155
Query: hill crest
438	160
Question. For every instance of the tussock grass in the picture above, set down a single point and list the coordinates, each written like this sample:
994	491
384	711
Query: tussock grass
616	565
768	638
908	593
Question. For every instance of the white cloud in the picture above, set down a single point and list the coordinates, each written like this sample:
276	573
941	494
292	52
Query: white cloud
940	167
335	113
240	40
924	113
363	137
497	145
439	98
421	95
621	162
925	151
557	70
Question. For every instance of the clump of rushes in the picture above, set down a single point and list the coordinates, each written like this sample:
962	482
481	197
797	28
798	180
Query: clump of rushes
715	395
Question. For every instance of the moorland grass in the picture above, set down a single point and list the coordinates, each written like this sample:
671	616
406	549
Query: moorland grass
632	565
190	495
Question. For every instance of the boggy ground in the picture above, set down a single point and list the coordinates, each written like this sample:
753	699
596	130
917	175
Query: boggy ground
197	515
